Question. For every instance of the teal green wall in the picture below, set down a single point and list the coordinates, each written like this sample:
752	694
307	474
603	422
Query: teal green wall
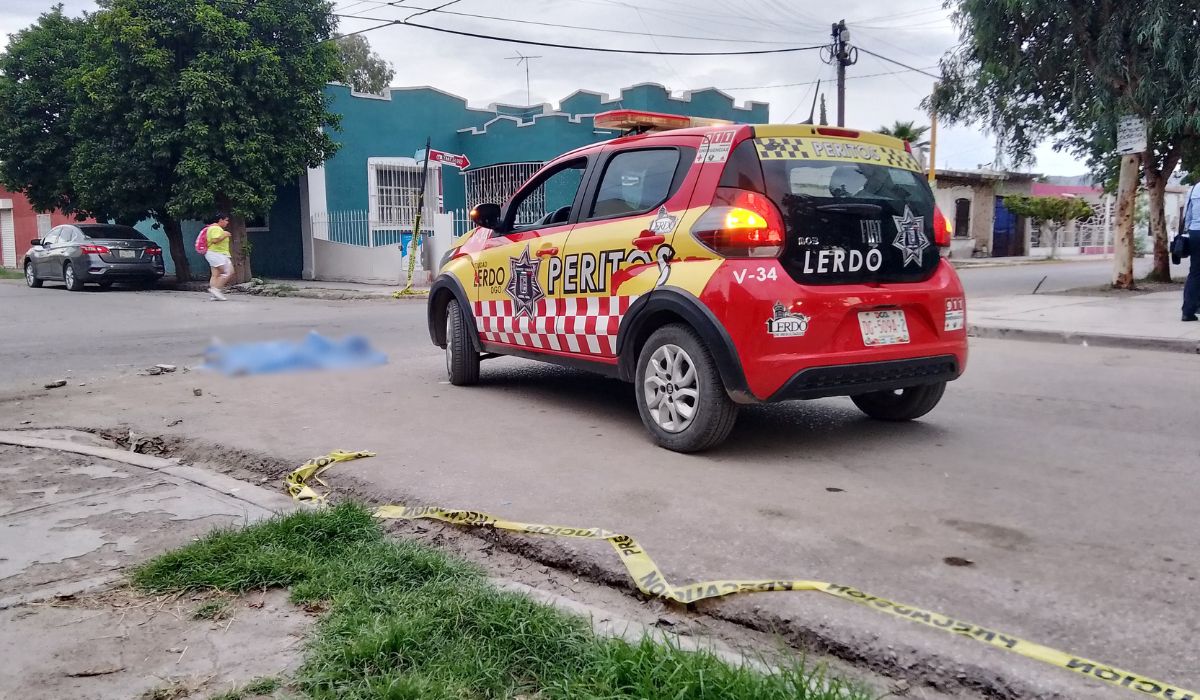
279	251
191	229
375	127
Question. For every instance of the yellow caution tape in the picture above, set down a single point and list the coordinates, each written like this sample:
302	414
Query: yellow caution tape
296	482
650	580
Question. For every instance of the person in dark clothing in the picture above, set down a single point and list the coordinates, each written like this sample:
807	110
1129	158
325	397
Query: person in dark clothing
1191	224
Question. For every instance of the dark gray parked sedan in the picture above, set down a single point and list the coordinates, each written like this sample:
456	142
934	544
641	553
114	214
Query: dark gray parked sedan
103	253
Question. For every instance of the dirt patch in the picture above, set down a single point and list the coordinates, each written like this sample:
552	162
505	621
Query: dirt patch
120	644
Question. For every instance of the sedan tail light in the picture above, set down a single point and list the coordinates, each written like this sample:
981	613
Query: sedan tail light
154	251
94	249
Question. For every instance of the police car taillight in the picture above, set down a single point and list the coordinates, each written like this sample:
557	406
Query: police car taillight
943	230
741	224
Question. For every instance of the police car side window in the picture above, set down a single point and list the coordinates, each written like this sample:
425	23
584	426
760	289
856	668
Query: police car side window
547	203
635	182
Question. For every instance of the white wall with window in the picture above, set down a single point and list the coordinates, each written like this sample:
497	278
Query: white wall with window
393	185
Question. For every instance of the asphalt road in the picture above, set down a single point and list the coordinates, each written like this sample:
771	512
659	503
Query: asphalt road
1066	475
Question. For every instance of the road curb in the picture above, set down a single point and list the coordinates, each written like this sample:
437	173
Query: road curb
1129	342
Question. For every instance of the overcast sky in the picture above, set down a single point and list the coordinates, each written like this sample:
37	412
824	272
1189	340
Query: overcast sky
913	32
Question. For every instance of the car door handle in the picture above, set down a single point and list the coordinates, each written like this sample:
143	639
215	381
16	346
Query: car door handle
547	250
648	240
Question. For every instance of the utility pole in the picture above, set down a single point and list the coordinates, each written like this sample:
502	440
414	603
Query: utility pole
845	55
933	137
522	58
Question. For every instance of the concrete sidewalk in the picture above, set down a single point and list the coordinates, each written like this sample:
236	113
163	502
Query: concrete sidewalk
1147	321
76	513
965	263
320	289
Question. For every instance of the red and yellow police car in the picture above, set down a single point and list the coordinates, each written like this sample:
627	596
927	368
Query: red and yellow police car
714	266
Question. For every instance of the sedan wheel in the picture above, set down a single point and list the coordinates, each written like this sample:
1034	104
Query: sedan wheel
31	277
74	284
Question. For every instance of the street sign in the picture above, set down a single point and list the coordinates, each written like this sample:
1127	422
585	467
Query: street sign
459	161
1131	136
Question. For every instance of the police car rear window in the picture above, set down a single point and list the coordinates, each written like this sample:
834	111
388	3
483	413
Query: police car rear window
854	212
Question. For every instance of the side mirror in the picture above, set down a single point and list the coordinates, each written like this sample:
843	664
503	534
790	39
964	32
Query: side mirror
36	242
486	215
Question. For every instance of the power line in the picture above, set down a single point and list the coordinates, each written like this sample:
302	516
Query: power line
902	65
899	15
516	20
813	82
600	49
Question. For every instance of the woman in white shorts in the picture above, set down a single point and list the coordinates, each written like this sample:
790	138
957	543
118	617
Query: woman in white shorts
218	258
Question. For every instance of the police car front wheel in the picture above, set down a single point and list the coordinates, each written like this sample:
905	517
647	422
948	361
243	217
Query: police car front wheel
680	396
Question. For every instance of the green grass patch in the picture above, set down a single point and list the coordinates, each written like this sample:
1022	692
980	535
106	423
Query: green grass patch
7	274
406	621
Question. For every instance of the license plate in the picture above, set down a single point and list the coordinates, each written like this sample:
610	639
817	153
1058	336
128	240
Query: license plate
883	327
127	253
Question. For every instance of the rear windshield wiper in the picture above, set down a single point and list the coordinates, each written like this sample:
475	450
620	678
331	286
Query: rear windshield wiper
872	210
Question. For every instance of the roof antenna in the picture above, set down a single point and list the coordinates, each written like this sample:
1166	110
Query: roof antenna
522	58
813	111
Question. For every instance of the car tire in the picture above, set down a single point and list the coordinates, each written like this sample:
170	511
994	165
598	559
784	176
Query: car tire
462	362
70	279
31	278
676	372
902	404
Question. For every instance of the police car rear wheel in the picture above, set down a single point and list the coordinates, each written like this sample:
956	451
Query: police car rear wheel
901	404
462	362
680	396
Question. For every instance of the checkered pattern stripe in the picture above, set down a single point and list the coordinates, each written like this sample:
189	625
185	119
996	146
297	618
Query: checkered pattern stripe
796	148
782	148
584	325
899	159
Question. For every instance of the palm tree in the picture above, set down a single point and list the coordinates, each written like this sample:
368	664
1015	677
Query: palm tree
907	131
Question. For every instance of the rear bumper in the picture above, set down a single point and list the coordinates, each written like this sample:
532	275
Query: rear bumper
866	377
114	271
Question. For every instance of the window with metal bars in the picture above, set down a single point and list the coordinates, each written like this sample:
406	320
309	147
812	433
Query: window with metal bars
395	187
496	184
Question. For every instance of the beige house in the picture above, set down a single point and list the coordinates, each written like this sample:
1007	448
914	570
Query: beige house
973	200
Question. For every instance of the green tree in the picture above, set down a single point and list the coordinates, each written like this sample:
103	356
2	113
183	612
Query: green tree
36	103
216	102
1066	70
363	69
1052	212
907	131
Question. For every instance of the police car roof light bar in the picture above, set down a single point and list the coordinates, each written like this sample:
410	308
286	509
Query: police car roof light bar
638	121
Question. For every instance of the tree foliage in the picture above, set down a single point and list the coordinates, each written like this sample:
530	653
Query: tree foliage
907	131
1067	70
1060	210
1054	212
362	69
173	110
37	71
